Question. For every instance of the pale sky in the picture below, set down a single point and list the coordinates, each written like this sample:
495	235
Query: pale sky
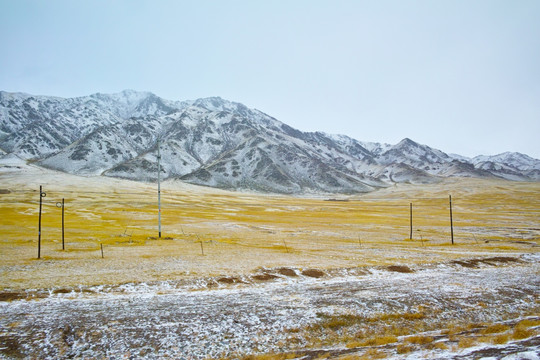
462	76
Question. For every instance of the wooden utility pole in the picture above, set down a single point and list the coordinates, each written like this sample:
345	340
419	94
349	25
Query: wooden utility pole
159	189
410	236
451	220
41	196
63	247
61	205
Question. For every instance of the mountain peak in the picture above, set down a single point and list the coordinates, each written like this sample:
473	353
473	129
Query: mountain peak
216	142
129	92
216	103
514	159
408	142
213	103
125	95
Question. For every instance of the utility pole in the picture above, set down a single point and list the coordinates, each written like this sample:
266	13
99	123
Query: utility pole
451	220
159	188
63	247
41	196
61	205
410	236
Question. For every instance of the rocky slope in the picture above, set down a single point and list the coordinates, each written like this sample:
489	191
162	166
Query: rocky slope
220	143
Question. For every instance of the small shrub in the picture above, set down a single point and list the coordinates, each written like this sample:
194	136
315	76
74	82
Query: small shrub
484	339
368	342
528	323
387	339
399	330
294	330
391	317
270	357
454	329
413	316
373	354
374	341
339	321
419	339
353	344
466	342
440	345
495	329
473	326
521	332
499	339
323	356
404	349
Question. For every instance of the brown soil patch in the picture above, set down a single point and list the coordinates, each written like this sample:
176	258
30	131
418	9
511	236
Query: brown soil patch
287	272
10	296
494	261
314	273
61	291
264	277
13	295
467	263
226	280
399	268
230	280
11	346
503	259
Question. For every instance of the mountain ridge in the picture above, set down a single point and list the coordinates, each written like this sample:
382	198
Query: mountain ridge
221	143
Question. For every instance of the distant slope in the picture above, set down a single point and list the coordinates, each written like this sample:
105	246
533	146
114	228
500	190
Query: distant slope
223	144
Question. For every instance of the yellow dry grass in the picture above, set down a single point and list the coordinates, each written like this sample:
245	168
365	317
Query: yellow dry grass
241	232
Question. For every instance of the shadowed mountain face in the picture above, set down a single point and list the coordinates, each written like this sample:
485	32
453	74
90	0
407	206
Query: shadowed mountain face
222	144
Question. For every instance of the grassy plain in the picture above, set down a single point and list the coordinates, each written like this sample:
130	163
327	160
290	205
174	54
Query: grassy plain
208	232
300	275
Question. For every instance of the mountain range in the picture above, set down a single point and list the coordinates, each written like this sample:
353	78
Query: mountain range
220	143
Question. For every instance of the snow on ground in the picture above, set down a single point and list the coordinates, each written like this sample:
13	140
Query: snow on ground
200	316
186	321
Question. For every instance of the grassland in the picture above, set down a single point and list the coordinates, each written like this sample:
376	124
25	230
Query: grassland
265	276
240	232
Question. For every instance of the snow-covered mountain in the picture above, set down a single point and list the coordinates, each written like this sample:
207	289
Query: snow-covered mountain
37	126
220	143
509	165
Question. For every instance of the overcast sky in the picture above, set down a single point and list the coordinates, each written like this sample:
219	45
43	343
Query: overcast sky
460	76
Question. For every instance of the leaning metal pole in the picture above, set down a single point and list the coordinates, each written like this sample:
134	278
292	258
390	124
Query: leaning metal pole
159	189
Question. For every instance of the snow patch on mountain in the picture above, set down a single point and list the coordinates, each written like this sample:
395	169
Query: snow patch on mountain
220	143
375	148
